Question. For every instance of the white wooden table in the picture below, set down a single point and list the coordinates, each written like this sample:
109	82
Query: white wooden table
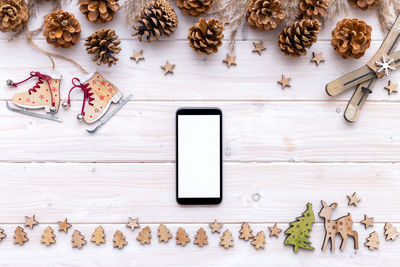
290	146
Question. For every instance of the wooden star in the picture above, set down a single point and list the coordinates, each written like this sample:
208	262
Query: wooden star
133	223
137	55
168	68
285	81
259	47
30	221
229	60
224	20
368	221
391	87
63	226
215	227
353	199
274	231
317	58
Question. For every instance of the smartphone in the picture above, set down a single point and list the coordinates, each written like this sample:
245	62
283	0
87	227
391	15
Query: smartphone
199	156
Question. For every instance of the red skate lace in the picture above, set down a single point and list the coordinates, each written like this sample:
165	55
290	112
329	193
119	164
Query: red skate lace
40	77
86	93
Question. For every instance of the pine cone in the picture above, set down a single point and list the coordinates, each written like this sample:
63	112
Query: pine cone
157	18
61	29
313	9
205	36
195	7
99	11
13	15
365	4
264	14
104	45
294	39
351	38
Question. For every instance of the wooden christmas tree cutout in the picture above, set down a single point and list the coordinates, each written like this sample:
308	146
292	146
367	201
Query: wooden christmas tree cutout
98	236
215	227
372	241
144	236
30	221
3	235
163	233
259	240
78	240
182	237
274	231
390	232
20	236
246	232
119	239
368	221
298	232
63	226
133	223
353	199
200	238
48	236
226	239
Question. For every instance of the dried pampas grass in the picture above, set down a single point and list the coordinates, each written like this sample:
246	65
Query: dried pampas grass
132	9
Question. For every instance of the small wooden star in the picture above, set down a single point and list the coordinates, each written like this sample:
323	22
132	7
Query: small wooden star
133	223
259	47
285	81
274	231
317	58
229	60
30	221
168	68
215	227
63	226
353	199
391	87
368	221
224	20
137	55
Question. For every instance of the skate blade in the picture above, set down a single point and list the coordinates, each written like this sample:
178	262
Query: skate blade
108	116
33	114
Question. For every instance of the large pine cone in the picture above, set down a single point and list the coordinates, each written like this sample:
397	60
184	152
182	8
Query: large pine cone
313	9
104	45
351	38
365	4
61	29
294	39
13	15
99	11
195	7
157	18
205	36
265	14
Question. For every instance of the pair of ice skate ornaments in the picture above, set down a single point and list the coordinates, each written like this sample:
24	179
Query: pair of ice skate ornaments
45	94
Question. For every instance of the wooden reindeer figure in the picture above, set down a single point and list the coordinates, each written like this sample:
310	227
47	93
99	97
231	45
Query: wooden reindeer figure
343	226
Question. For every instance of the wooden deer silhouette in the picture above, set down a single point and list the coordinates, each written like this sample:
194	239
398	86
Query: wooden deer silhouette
343	226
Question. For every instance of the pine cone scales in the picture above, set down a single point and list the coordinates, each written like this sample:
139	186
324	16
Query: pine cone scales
13	15
364	4
265	14
195	7
313	9
294	39
351	38
99	11
61	29
157	18
206	36
104	45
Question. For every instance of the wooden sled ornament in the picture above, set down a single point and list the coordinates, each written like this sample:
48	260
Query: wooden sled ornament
381	64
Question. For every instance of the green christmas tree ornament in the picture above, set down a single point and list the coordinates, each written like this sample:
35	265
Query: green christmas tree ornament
299	231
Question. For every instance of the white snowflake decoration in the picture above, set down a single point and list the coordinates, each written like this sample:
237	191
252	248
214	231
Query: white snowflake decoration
385	65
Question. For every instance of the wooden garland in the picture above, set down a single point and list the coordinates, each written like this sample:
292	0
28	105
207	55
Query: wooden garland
226	240
98	237
78	240
182	237
133	224
30	221
274	231
215	227
144	236
63	226
20	236
48	236
200	238
246	232
119	240
163	233
259	240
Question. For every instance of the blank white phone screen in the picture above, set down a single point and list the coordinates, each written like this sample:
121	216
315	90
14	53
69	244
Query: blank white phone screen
199	156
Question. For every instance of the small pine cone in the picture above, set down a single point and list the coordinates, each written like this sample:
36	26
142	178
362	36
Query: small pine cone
195	7
61	29
364	4
157	18
104	45
99	11
205	36
351	38
294	39
13	15
265	14
313	9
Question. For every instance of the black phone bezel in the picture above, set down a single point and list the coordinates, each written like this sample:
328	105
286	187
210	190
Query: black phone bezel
198	111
